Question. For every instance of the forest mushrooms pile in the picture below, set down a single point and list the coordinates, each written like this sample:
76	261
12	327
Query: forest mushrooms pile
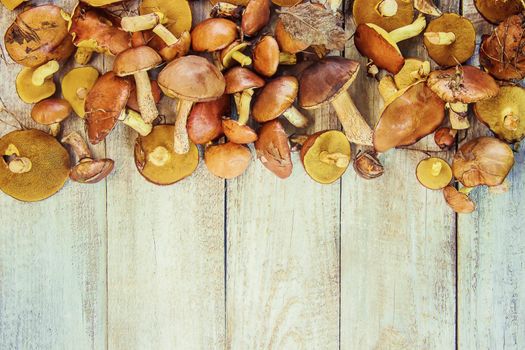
248	75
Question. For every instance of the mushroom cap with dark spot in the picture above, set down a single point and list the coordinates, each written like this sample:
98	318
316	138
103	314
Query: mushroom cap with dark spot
239	79
275	98
136	59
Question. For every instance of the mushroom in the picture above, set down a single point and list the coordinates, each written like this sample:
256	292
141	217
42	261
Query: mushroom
326	82
502	53
459	86
137	61
213	34
276	98
496	11
434	173
51	112
33	165
205	120
445	137
11	4
255	17
273	149
387	88
266	56
367	166
155	92
76	85
87	170
413	71
38	35
411	114
158	163
458	201
105	105
450	39
228	160
83	55
233	52
287	42
504	114
175	49
227	10
381	47
176	13
387	14
30	93
483	161
44	72
326	155
190	79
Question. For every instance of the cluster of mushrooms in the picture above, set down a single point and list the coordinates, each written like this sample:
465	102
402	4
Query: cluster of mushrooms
247	74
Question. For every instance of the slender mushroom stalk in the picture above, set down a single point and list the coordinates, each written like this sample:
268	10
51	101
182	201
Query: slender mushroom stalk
83	55
44	72
409	31
141	23
295	117
242	102
387	8
440	38
145	99
181	143
78	145
168	37
354	125
340	160
242	58
135	121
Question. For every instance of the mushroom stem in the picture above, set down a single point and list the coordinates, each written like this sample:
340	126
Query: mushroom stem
82	93
54	129
387	8
83	55
458	121
244	106
78	145
286	58
422	72
44	72
181	143
141	23
135	121
159	156
19	165
511	122
440	38
165	34
295	117
147	106
410	30
242	58
338	159
436	168
354	125
387	87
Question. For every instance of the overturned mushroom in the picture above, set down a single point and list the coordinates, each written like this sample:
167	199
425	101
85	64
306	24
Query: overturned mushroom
51	112
434	173
76	85
458	201
387	14
228	160
233	52
413	71
30	93
205	120
368	166
255	16
176	13
273	149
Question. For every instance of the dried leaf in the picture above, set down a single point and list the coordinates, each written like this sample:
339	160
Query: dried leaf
314	25
427	7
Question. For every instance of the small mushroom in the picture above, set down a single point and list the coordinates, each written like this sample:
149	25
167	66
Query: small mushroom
458	201
30	93
410	115
413	71
137	61
156	160
267	57
76	85
367	166
273	149
287	43
445	137
213	34
177	14
33	165
51	112
228	160
496	11
387	14
483	161
233	52
205	120
190	79
504	114
326	155
276	98
450	39
381	47
155	92
87	170
326	82
255	17
434	173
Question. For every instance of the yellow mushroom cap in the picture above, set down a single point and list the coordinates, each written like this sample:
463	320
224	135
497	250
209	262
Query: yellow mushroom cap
177	13
434	173
75	87
30	93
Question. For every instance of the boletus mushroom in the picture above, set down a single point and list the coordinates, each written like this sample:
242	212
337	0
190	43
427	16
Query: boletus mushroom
387	14
496	11
273	149
87	170
504	114
228	160
156	160
326	155
51	112
33	165
29	92
434	173
190	79
76	85
44	72
458	201
213	34
286	41
327	81
205	120
413	71
267	57
255	17
483	161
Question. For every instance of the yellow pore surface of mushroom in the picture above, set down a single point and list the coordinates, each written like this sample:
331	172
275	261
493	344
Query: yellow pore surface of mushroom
369	11
434	173
413	71
177	13
76	85
30	93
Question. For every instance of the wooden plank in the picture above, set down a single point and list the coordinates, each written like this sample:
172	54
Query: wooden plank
491	254
165	253
397	245
52	253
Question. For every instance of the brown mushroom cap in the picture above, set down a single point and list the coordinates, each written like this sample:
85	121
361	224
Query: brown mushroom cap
136	59
374	42
104	104
51	111
461	49
76	85
155	91
49	165
286	42
483	161
255	16
322	82
90	171
273	149
30	93
239	79
266	56
205	120
434	173
275	98
412	114
237	133
496	11
38	35
227	160
192	78
177	13
213	34
175	166
494	112
458	201
464	84
365	11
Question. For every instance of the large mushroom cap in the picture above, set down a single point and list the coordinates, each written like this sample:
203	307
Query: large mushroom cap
213	34
483	161
177	13
366	11
50	111
49	165
464	84
38	35
192	78
412	114
275	98
157	161
239	79
504	114
76	85
104	104
323	81
496	11
227	160
90	171
136	59
273	149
